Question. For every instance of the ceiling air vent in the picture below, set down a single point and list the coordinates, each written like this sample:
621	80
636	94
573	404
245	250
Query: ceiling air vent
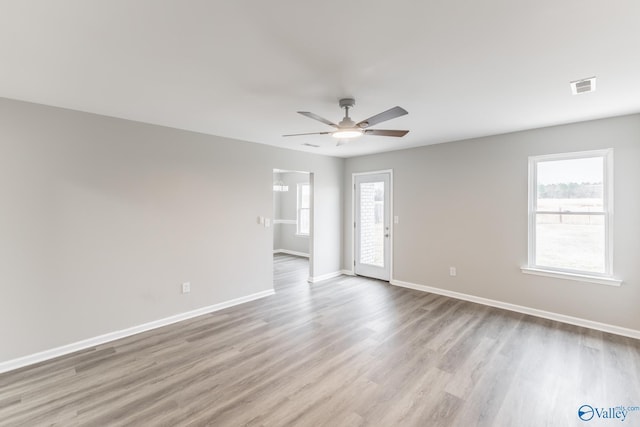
311	145
583	85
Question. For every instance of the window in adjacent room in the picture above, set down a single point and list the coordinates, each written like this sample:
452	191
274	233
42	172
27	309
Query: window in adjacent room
304	195
570	213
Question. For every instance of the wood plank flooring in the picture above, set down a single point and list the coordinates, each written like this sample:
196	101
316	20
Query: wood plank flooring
345	352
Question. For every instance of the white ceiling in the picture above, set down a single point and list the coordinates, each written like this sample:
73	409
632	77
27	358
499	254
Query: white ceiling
242	69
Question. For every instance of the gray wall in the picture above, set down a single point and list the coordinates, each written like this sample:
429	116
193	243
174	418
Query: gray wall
286	207
464	204
102	219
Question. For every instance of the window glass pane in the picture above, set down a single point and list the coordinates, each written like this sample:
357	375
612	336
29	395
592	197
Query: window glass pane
304	195
304	203
303	221
574	185
372	223
573	242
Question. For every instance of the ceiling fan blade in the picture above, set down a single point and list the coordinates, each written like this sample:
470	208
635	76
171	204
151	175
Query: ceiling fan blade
312	133
382	132
392	113
318	118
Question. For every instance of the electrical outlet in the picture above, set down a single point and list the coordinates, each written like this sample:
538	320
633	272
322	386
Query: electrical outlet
452	271
267	222
186	287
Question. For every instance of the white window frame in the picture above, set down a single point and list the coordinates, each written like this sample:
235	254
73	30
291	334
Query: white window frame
587	276
299	207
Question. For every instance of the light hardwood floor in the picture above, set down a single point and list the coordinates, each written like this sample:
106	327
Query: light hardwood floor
344	352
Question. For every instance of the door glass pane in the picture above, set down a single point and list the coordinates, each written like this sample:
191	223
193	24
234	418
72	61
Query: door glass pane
372	223
574	242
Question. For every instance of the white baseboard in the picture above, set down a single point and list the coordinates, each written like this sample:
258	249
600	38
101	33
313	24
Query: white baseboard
112	336
604	327
348	272
327	276
288	252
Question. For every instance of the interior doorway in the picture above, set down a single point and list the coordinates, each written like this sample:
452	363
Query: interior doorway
292	227
372	224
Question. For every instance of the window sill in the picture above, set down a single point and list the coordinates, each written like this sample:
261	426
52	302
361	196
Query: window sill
572	276
302	235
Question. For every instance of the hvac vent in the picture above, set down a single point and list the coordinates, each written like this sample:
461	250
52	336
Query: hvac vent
583	85
311	145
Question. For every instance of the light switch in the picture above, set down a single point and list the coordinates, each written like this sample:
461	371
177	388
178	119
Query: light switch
395	219
267	222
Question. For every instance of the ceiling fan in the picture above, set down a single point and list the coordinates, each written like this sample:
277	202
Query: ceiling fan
348	129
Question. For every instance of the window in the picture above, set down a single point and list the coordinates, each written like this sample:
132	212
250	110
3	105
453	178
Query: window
304	198
570	213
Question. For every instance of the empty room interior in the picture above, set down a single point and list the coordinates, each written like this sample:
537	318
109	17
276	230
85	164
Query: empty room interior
341	214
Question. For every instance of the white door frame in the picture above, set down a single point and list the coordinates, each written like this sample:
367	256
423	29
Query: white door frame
353	217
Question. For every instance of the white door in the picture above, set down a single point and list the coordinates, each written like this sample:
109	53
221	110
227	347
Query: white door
372	225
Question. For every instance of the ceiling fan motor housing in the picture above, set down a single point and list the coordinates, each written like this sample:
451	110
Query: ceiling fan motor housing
347	123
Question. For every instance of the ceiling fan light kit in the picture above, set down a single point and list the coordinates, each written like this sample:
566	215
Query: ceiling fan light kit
348	129
347	133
